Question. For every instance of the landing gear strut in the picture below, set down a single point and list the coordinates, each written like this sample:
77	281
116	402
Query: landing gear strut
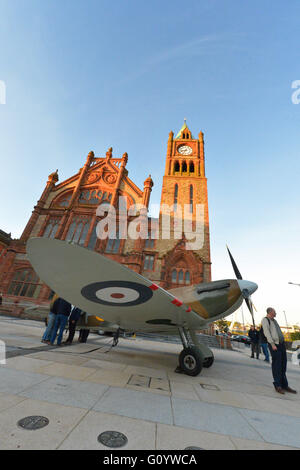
194	355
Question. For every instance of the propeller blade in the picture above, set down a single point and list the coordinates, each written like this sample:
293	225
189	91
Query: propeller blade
250	307
235	268
239	276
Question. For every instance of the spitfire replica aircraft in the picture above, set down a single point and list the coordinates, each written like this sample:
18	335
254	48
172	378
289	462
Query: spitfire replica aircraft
118	298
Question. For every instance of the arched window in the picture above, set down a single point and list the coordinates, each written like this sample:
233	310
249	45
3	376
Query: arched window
180	277
51	228
65	200
191	198
25	283
192	167
149	262
176	167
78	230
93	238
150	242
184	167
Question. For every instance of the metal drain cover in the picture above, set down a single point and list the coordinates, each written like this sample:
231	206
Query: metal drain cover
112	439
33	422
193	448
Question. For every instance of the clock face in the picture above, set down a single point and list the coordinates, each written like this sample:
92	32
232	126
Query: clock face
185	150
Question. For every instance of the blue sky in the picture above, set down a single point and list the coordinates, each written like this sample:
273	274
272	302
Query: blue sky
87	75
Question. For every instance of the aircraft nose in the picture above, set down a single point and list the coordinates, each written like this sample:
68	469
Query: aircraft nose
247	287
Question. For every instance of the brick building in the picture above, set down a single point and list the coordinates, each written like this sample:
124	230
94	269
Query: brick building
67	210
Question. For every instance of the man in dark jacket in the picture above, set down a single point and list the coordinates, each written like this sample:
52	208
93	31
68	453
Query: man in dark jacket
62	309
254	336
73	319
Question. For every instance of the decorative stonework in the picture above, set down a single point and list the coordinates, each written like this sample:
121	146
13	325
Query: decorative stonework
109	178
92	178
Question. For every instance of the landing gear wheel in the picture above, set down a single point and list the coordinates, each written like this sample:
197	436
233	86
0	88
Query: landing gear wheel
208	362
190	361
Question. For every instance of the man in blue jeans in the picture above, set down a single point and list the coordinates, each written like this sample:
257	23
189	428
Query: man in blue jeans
264	344
50	322
62	310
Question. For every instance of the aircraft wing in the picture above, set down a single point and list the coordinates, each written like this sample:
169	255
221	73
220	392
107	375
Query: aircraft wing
106	289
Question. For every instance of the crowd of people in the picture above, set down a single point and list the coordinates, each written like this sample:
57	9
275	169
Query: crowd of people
258	343
60	312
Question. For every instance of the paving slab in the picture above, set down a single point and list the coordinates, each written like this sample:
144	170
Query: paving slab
15	381
244	444
66	392
212	418
9	400
224	397
113	377
68	371
62	419
140	434
54	356
136	404
26	363
107	365
275	428
183	390
179	438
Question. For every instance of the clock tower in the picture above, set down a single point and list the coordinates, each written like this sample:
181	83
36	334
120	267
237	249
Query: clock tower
185	189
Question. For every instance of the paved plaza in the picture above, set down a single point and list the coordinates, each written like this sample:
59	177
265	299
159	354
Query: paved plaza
86	389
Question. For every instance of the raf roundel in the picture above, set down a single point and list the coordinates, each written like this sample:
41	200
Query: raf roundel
117	293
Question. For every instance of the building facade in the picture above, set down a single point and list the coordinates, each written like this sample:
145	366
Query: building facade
67	210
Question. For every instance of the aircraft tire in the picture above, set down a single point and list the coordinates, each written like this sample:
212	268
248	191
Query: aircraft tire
208	362
190	361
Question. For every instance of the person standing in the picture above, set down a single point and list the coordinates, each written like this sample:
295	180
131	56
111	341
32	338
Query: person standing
253	335
50	322
73	319
264	344
62	308
83	335
277	349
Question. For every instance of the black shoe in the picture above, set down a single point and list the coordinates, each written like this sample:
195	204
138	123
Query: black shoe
279	390
290	390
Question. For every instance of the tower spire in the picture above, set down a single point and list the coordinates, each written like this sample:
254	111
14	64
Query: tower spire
184	129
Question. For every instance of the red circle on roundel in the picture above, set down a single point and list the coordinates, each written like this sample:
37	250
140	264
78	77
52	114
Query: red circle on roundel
117	296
